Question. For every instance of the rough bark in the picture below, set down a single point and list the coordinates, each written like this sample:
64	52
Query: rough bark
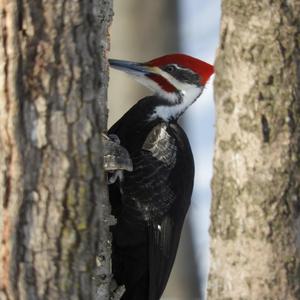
255	210
52	111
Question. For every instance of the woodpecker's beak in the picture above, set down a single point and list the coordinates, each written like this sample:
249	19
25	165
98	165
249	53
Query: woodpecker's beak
132	68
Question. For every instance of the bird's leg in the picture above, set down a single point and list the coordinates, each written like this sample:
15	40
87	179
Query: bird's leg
116	292
116	157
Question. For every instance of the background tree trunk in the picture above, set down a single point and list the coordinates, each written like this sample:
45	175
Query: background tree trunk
52	111
255	212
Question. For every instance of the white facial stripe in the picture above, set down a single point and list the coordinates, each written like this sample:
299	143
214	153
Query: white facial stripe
153	86
167	112
180	86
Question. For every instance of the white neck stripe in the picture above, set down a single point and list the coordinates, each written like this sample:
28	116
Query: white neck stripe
168	112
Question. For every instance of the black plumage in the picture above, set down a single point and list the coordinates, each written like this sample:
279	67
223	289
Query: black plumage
150	203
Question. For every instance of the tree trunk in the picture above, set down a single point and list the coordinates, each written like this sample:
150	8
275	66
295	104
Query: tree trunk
255	211
53	108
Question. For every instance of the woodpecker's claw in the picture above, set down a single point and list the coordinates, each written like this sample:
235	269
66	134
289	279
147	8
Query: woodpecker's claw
116	157
116	292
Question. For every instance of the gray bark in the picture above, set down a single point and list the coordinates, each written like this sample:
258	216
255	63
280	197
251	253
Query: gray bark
52	187
255	210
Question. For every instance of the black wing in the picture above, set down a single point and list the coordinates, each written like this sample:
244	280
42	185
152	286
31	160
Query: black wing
164	235
150	211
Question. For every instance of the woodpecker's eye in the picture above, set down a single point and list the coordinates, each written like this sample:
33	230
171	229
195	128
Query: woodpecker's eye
170	68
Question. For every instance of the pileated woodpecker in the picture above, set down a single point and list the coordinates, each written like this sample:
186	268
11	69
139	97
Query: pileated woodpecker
150	203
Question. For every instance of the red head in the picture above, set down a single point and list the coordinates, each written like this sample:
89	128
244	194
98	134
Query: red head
177	78
203	69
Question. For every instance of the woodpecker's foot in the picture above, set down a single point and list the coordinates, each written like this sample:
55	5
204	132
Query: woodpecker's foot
116	157
116	292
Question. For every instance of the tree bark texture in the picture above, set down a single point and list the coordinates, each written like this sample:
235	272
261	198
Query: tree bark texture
256	198
52	110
